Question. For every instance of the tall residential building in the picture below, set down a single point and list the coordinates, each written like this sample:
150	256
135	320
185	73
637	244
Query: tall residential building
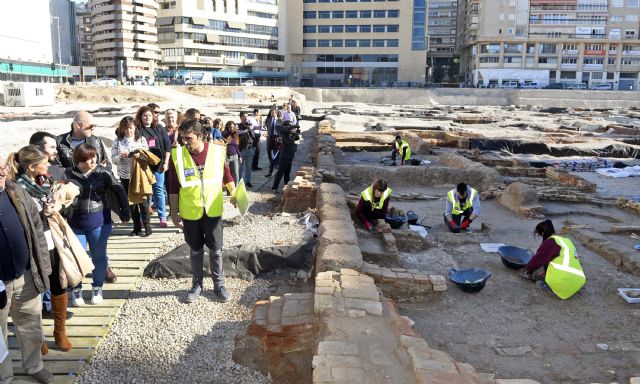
84	41
549	41
357	42
223	41
63	31
124	36
442	36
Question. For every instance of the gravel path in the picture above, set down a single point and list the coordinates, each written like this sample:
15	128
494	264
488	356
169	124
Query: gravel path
157	338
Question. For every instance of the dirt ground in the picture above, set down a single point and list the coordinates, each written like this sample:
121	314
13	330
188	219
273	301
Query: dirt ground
512	328
106	95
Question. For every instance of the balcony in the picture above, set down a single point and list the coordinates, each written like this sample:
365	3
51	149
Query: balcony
592	66
631	53
569	66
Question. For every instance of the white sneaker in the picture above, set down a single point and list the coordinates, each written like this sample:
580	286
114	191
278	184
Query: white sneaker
76	297
96	296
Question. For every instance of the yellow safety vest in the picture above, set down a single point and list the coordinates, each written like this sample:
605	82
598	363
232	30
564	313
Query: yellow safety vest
200	193
457	209
367	195
401	147
564	275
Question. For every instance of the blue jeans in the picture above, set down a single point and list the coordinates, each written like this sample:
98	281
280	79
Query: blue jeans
160	195
247	162
97	238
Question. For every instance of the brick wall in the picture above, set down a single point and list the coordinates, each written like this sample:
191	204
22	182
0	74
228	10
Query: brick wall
300	194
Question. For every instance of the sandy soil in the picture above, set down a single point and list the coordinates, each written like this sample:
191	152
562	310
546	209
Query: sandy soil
107	95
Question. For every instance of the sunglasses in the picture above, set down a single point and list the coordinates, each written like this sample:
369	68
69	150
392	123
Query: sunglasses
156	112
88	128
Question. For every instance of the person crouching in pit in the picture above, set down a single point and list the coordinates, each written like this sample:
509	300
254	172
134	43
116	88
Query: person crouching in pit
373	203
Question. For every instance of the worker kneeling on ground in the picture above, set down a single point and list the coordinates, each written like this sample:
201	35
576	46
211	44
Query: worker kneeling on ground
555	263
373	203
196	176
401	147
463	206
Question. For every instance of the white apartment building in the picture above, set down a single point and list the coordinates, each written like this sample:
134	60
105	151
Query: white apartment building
124	38
357	42
223	41
550	41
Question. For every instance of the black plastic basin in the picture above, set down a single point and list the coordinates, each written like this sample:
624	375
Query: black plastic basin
412	217
469	280
514	257
395	221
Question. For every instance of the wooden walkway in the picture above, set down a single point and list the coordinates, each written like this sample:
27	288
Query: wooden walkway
128	256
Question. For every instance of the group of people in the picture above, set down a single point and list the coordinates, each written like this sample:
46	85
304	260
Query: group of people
63	188
554	265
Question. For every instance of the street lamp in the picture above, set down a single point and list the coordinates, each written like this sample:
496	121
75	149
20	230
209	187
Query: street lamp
59	51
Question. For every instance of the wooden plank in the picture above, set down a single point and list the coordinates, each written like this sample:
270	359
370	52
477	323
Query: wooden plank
130	256
91	311
79	331
77	342
121	280
57	379
127	272
86	289
127	264
56	354
84	320
63	367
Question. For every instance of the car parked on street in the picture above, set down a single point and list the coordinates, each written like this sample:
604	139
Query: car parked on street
602	86
105	81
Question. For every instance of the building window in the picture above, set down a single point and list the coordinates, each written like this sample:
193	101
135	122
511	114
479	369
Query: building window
364	43
351	28
419	25
365	28
393	28
324	43
379	28
336	43
337	28
379	14
324	14
392	43
338	14
324	29
393	13
365	14
378	43
309	29
490	59
513	59
351	43
309	14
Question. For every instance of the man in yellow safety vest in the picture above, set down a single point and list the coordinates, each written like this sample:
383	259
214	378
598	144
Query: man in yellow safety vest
462	207
196	175
402	148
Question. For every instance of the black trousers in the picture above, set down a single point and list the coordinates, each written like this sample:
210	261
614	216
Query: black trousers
256	156
466	214
54	277
271	146
139	212
198	233
284	169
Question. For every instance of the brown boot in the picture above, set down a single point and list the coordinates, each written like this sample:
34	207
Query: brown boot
109	276
59	306
43	348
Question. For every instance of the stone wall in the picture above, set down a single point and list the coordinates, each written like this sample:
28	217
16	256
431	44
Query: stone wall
280	338
338	245
300	194
563	177
522	199
404	284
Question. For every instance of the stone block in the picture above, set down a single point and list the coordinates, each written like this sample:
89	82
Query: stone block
325	275
424	376
634	380
337	348
323	303
522	199
434	366
349	272
336	256
368	293
293	308
350	303
322	374
516	381
330	188
335	361
337	232
324	290
374	308
356	313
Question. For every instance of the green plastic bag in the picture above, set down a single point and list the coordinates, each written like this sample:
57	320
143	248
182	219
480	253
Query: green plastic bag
242	198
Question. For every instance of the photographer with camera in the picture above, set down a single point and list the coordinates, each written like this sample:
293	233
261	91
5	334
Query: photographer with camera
289	134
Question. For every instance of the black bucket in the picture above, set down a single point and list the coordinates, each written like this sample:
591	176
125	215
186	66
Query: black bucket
514	257
469	280
395	221
412	218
